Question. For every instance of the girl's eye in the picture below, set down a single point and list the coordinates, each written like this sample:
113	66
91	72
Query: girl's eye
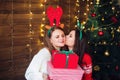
57	36
70	35
63	35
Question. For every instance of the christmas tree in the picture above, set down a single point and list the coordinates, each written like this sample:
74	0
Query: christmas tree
103	30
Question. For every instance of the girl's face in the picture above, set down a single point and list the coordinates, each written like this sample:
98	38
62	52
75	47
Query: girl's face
70	39
57	38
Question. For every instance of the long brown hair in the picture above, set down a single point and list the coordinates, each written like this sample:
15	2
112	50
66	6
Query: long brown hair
80	46
48	35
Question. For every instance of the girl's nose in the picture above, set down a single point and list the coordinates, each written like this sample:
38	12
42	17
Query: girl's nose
66	36
62	37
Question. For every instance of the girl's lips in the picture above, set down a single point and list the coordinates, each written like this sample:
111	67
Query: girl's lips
62	42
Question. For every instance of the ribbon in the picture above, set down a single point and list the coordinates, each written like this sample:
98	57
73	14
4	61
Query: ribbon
67	53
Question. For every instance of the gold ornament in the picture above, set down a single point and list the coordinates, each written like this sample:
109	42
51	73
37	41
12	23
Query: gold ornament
92	29
97	68
112	33
103	19
118	30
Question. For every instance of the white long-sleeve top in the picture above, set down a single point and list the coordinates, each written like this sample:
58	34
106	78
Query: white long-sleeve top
38	65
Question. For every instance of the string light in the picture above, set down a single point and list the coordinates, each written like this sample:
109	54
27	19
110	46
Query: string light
97	1
31	32
69	13
106	53
41	27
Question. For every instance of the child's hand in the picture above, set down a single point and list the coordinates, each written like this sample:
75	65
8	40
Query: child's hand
87	69
45	76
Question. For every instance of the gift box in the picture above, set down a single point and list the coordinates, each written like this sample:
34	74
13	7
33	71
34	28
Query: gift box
64	73
64	60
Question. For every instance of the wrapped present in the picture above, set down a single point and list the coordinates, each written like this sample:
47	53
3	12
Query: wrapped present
64	73
64	59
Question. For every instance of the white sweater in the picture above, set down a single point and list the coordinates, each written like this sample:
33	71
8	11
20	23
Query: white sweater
38	65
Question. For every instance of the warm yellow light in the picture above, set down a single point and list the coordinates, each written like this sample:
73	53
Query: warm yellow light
31	32
41	30
77	1
45	1
29	5
118	30
91	2
30	25
42	25
27	45
31	12
113	8
83	22
97	1
77	4
76	17
43	19
42	43
88	9
107	53
42	34
30	17
88	5
104	42
43	12
102	18
85	14
41	5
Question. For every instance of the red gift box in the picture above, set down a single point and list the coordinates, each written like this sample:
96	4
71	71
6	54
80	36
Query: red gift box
61	60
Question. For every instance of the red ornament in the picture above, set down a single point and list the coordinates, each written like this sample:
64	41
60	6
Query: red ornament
100	33
117	67
114	19
93	14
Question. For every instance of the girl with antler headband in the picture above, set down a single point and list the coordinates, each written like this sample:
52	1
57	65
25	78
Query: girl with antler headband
76	40
54	39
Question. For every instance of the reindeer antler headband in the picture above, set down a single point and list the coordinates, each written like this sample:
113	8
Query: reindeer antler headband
79	27
54	14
